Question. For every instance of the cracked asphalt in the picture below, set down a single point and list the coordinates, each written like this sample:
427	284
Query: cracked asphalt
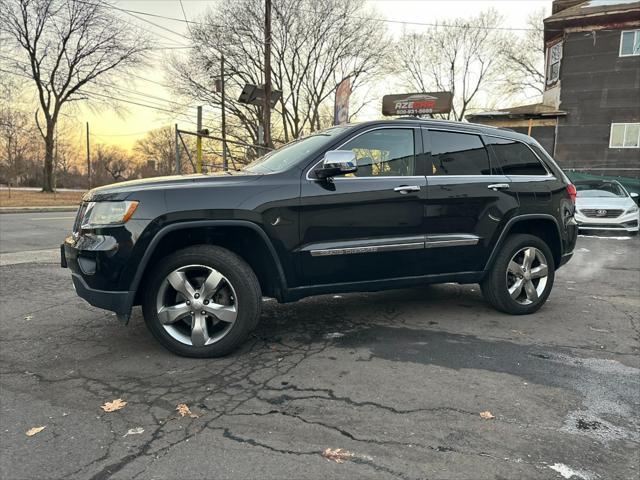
397	378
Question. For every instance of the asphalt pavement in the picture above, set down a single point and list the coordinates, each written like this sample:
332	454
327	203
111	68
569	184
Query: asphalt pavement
24	232
396	379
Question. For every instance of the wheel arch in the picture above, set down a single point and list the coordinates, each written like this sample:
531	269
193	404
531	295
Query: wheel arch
543	226
242	237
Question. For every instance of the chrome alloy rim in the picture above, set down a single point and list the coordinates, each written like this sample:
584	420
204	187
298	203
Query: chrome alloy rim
527	275
197	305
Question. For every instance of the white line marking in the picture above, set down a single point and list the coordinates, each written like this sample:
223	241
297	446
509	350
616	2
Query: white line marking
33	256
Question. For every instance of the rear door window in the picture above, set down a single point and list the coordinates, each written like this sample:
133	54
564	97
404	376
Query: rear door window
455	153
515	157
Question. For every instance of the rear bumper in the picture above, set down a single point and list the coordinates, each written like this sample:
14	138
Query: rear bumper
565	258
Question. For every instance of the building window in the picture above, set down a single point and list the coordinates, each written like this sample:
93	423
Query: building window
630	43
625	135
554	56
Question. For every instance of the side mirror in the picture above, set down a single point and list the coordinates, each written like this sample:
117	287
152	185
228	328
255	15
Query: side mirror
336	162
633	195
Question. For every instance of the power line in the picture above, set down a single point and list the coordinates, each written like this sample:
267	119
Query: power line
130	100
93	134
118	87
134	15
385	20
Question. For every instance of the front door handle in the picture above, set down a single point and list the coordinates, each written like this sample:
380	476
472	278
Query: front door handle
404	189
498	186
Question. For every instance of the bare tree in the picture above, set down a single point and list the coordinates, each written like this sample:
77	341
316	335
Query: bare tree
460	57
158	146
15	147
68	45
523	58
315	45
112	162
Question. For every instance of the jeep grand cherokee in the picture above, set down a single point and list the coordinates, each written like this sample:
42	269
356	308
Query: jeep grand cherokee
363	207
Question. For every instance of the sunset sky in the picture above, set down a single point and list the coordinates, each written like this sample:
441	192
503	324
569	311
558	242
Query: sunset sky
109	127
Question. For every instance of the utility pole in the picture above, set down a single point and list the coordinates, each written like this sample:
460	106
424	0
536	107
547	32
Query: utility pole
88	159
267	74
225	164
177	140
199	142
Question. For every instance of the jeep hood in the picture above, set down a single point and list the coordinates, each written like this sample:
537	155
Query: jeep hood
119	191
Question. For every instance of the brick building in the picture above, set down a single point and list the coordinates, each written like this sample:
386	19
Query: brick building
589	119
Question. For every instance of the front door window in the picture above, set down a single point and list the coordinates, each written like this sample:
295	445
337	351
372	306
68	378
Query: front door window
386	152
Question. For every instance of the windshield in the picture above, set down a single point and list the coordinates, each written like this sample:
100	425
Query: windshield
600	189
288	155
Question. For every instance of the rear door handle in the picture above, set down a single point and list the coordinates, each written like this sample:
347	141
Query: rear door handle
404	189
498	186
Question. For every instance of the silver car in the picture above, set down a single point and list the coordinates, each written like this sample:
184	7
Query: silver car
606	205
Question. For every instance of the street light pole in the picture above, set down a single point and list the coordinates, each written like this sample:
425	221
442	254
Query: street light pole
88	159
177	141
225	165
267	74
199	142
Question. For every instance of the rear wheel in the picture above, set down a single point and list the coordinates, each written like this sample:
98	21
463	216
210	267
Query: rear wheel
521	277
202	301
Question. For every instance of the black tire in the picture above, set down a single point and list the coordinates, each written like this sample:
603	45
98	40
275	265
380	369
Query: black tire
494	285
245	284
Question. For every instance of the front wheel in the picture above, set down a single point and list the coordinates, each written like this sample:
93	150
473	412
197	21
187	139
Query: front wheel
202	301
521	277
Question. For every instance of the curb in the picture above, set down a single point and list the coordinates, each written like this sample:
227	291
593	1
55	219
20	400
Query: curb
43	209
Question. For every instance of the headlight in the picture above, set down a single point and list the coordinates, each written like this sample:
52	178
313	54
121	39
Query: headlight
633	209
99	214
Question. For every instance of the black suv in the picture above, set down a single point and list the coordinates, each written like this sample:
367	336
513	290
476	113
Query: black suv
372	206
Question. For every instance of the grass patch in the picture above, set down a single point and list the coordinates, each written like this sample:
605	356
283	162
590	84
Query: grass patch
22	198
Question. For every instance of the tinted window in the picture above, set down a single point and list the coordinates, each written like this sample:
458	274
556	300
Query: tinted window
458	154
516	158
384	152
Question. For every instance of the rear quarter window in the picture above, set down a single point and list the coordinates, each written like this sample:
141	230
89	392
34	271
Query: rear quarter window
515	157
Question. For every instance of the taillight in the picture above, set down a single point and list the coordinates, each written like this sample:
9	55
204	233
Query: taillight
571	190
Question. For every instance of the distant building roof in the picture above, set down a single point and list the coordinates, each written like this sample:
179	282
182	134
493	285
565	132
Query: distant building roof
595	7
535	110
591	13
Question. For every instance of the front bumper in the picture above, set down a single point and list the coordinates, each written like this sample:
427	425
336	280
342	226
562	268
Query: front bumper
96	263
118	302
623	223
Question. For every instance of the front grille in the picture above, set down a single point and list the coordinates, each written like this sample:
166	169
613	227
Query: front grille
601	212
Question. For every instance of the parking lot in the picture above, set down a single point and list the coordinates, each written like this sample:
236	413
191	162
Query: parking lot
397	379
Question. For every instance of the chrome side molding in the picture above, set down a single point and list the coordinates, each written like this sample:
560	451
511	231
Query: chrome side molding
451	240
389	245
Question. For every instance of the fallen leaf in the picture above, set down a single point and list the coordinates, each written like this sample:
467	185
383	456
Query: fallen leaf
338	455
134	431
34	431
184	411
117	404
28	317
487	415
